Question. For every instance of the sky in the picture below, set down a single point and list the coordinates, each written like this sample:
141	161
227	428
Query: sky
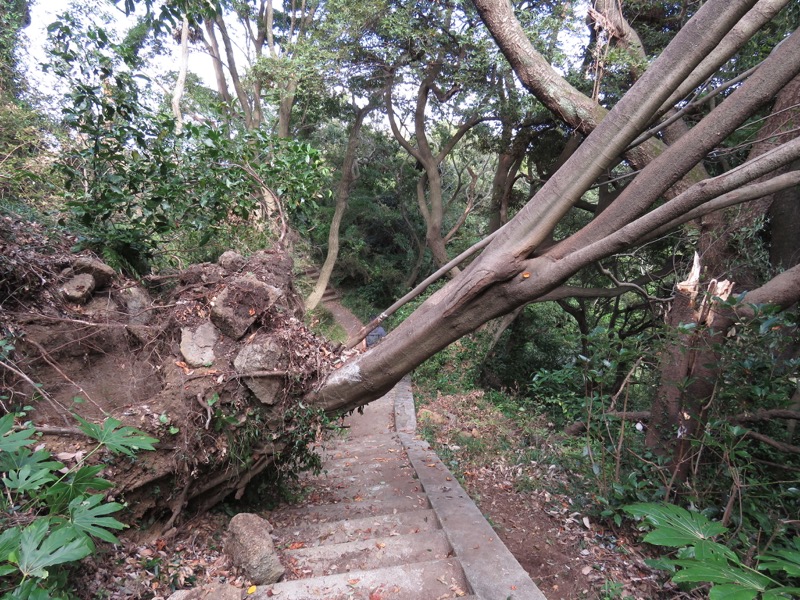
44	12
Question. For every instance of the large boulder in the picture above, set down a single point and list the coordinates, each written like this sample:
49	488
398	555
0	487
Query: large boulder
102	273
197	344
260	357
249	547
211	591
237	306
78	289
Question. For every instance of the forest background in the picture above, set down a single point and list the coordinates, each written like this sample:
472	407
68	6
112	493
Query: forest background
605	244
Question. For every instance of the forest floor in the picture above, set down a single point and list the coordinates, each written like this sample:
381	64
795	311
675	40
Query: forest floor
524	493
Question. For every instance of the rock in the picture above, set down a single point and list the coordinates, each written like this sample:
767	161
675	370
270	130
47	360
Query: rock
237	306
137	302
203	273
249	546
231	261
102	273
428	415
79	288
197	344
262	354
101	308
211	591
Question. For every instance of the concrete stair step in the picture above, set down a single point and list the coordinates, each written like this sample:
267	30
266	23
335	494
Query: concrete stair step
377	444
374	485
379	489
378	471
347	509
362	528
368	554
438	579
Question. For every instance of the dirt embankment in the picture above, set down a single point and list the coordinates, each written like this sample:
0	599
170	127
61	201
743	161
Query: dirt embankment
211	361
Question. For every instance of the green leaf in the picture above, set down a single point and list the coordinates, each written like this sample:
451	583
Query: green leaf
731	591
676	527
781	593
38	550
27	479
77	483
708	571
785	559
13	440
88	515
9	541
126	440
10	461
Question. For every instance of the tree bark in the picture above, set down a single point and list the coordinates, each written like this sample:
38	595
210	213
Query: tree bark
508	274
181	82
346	181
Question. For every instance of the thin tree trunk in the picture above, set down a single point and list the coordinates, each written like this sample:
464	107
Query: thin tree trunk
349	175
181	81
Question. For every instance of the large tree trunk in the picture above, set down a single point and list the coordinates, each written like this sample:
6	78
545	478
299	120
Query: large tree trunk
688	378
509	273
181	81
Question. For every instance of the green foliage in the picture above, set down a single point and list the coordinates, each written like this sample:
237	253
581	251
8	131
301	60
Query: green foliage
135	182
541	340
65	509
702	559
14	15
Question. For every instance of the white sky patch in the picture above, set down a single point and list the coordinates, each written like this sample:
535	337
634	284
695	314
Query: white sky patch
45	12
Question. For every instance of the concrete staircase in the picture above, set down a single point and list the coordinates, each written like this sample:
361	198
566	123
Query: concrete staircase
389	521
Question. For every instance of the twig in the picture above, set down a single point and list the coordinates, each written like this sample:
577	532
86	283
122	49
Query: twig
56	406
206	406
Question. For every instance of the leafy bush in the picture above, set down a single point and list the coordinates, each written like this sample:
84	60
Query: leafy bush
50	514
701	559
135	181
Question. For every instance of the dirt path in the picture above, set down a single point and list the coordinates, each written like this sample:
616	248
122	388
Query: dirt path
346	319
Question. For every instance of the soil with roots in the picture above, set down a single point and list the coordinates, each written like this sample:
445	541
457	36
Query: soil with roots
210	360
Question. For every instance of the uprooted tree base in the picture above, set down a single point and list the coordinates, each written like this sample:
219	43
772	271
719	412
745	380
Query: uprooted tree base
211	361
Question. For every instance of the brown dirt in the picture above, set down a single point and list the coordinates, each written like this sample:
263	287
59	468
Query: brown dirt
568	554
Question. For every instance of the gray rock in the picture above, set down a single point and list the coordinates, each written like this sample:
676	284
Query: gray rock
102	273
211	591
79	288
238	306
249	546
101	308
231	261
137	302
262	354
197	344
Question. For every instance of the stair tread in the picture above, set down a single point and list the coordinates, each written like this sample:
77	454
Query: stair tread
349	530
368	554
349	508
417	581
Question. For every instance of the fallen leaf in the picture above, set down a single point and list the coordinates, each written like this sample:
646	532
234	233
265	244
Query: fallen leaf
252	589
352	581
380	545
296	545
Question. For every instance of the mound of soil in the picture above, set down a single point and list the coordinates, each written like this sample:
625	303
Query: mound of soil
210	360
